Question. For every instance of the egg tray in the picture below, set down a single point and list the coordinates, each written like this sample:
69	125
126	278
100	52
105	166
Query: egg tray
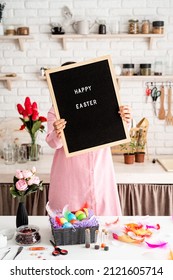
72	236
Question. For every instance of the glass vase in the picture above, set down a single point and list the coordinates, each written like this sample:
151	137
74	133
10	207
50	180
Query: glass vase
22	215
34	149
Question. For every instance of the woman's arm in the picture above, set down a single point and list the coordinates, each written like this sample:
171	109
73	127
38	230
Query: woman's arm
53	138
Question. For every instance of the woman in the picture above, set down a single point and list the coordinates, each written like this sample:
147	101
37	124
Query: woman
86	178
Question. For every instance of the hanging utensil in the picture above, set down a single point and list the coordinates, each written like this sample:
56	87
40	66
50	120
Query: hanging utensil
169	117
18	252
161	114
155	93
147	93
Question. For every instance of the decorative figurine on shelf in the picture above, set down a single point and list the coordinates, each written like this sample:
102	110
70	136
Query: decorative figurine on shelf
32	122
24	183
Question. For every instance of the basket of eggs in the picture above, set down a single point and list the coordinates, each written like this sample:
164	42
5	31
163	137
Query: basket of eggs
68	228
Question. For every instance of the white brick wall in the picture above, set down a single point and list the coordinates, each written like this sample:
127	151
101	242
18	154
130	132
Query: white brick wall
44	51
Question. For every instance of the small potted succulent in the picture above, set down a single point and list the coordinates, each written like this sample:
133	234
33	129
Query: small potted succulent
140	146
129	151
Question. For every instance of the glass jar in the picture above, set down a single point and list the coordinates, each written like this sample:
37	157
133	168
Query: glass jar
133	26
145	69
158	68
158	27
128	69
27	235
145	28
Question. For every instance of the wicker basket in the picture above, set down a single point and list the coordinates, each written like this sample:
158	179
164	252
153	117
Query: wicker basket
71	236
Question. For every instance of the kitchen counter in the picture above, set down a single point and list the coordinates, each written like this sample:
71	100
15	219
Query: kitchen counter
146	172
144	188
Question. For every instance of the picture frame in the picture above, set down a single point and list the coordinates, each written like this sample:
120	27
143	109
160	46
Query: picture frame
86	95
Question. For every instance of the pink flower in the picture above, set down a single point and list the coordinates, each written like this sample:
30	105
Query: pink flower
19	174
27	174
21	185
33	169
34	180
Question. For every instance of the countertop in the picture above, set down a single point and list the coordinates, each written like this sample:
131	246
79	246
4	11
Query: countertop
146	172
117	250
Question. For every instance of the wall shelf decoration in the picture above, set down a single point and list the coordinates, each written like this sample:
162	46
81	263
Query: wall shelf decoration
64	37
151	78
20	39
8	80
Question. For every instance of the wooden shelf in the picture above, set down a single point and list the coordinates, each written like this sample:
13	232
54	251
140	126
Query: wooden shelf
64	37
8	80
151	78
20	38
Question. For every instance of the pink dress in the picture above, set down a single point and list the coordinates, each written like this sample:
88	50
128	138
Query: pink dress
87	178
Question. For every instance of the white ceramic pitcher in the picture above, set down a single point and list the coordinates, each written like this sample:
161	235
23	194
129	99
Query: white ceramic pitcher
82	26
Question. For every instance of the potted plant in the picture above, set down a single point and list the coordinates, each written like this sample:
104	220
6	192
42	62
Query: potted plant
129	151
140	146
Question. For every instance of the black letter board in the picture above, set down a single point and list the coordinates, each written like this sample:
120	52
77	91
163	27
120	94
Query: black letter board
85	94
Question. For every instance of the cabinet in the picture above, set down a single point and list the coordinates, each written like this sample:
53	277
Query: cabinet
19	38
63	38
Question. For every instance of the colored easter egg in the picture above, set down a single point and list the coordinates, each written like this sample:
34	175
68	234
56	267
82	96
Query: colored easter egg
67	225
81	216
73	221
63	221
66	214
71	216
86	211
78	213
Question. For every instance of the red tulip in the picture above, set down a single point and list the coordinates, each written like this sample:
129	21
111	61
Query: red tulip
27	102
34	106
22	127
28	106
42	119
35	116
20	109
25	115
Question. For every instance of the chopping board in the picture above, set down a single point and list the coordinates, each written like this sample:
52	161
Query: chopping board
167	164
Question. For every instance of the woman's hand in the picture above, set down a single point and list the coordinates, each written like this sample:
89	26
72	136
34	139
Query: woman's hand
125	113
59	125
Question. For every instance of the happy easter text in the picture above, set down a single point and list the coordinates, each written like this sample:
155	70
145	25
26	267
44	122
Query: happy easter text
85	89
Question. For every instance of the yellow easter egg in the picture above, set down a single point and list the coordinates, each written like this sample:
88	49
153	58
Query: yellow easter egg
80	215
63	220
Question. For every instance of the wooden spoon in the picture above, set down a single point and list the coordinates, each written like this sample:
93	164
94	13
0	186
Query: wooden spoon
169	116
161	114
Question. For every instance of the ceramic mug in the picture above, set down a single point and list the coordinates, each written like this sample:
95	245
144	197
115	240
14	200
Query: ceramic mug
56	30
82	27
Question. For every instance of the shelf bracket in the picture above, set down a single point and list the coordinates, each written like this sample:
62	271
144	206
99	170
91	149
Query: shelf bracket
21	44
151	40
64	45
8	84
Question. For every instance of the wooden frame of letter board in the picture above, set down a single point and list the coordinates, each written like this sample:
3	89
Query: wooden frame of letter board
91	127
